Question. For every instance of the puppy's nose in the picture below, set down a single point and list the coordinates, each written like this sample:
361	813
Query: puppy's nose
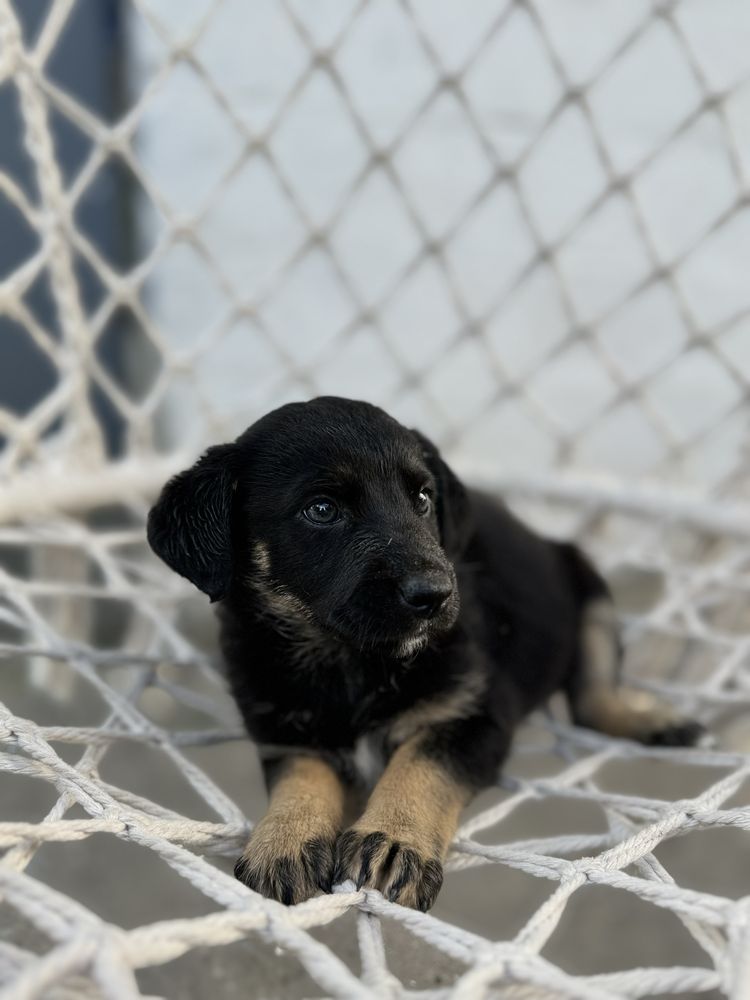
424	596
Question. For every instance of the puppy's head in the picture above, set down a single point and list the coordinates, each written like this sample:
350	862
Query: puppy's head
333	515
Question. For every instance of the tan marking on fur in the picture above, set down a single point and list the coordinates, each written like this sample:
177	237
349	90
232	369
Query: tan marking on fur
307	786
456	704
307	804
409	647
278	600
415	802
601	703
282	603
290	616
625	712
262	558
601	657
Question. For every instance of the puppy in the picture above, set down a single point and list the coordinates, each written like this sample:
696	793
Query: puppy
376	612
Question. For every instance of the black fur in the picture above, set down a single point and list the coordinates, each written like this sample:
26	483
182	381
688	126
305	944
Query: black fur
190	526
320	645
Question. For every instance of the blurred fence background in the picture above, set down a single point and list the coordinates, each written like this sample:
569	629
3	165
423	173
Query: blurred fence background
523	227
520	225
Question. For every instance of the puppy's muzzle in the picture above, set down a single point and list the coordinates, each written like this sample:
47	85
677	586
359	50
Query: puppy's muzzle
425	595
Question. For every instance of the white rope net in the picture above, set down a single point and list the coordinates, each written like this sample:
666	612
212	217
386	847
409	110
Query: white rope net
523	226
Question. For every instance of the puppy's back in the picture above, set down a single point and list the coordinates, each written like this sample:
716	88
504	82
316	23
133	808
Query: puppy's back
522	591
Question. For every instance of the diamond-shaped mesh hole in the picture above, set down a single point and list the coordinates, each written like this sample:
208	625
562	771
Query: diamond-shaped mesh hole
536	304
15	559
27	374
24	801
319	148
128	355
598	914
100	83
206	971
665	187
693	393
662	656
13	627
246	365
708	276
53	693
465	364
309	309
442	135
585	259
572	387
725	609
722	876
93	873
491	249
262	37
362	368
375	239
557	196
512	85
104	619
183	319
523	893
39	298
623	441
73	146
252	227
25	242
629	334
636	590
386	73
215	146
115	184
654	63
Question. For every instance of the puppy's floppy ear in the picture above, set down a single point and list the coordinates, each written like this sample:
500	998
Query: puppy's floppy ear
452	502
189	527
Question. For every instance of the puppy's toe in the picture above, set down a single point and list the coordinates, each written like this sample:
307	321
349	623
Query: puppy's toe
403	874
289	876
413	880
679	733
360	856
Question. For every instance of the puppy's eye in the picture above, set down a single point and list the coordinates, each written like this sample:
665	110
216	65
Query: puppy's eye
424	502
322	512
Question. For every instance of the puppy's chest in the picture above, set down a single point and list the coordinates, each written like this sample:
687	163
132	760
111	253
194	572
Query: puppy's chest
352	703
336	708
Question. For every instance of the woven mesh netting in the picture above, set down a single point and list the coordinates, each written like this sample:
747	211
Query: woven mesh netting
523	227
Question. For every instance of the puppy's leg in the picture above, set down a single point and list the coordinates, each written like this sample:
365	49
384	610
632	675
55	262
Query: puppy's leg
290	855
400	841
598	701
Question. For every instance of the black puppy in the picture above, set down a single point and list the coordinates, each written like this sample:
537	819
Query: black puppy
376	615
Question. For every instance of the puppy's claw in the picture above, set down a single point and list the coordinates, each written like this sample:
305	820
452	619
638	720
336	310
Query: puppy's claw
288	878
372	844
399	870
425	876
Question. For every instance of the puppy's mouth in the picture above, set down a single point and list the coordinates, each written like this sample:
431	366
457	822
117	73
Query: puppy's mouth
401	646
409	646
388	636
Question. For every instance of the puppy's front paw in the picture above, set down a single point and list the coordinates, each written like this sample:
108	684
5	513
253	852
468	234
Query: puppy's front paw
402	872
280	869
